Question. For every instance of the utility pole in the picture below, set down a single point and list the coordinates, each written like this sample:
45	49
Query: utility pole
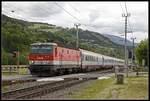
125	65
133	58
77	36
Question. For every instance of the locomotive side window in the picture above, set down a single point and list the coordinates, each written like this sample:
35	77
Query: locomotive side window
67	51
55	51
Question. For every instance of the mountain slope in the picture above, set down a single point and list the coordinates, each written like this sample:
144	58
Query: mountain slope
18	35
117	40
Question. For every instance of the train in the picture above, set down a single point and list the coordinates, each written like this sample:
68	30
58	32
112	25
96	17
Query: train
47	59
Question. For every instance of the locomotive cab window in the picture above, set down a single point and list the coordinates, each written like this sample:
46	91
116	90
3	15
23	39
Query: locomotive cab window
41	49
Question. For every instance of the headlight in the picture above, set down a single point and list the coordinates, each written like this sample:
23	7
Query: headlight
31	62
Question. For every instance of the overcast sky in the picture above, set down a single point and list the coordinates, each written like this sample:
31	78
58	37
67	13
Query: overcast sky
103	17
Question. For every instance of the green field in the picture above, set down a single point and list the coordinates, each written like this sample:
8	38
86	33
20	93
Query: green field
133	88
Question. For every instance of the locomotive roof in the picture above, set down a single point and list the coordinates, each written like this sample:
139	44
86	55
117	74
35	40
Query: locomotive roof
44	44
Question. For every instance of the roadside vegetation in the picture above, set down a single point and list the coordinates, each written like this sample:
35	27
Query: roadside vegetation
142	53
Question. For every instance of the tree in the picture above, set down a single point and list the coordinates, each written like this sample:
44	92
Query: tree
141	52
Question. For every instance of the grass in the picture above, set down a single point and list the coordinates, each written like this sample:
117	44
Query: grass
23	71
133	88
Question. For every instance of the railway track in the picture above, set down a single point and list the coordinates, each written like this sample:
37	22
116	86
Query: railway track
39	90
13	82
42	88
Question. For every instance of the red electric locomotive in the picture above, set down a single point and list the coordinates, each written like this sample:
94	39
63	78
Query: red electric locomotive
47	59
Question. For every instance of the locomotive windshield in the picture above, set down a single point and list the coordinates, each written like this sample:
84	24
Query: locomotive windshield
41	49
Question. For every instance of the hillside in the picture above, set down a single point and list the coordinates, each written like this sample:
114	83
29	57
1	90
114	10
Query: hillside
118	40
18	35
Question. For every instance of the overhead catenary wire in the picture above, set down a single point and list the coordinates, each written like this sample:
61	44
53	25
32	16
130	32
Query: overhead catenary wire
17	15
16	11
45	10
73	16
73	8
67	12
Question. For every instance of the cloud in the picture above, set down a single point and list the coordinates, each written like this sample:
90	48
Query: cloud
33	9
44	10
93	15
106	17
139	36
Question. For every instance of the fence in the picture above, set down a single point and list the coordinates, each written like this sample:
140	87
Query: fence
12	68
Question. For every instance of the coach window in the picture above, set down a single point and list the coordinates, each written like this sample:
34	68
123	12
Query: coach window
85	58
82	57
